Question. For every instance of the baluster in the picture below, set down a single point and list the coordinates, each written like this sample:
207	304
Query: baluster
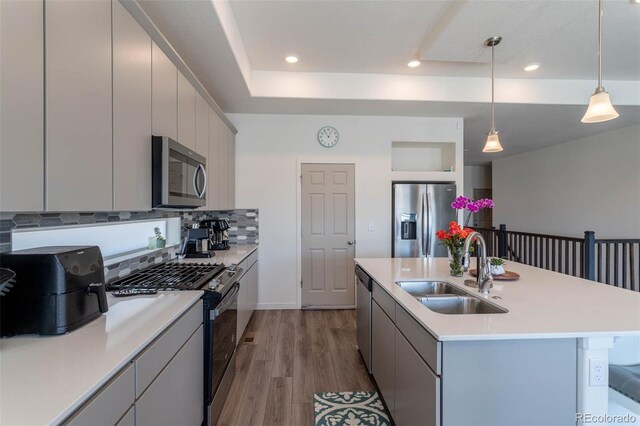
573	260
625	284
599	264
616	273
634	284
608	260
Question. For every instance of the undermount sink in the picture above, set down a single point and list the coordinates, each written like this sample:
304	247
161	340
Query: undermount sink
459	305
445	298
427	288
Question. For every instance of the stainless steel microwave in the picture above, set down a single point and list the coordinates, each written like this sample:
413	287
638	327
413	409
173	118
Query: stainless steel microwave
179	175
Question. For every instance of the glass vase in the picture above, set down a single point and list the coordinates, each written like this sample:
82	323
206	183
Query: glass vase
455	261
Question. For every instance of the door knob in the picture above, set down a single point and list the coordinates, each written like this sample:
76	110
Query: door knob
350	242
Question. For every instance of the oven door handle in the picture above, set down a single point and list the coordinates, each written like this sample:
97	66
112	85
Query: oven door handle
229	300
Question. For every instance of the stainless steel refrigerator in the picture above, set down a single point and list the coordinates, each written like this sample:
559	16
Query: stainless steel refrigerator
419	210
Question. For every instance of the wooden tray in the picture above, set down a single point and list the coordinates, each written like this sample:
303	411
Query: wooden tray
507	276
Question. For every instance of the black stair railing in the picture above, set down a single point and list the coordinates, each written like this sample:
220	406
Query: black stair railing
610	261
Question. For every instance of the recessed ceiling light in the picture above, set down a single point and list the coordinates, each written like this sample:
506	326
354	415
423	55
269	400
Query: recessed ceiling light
532	67
291	59
414	63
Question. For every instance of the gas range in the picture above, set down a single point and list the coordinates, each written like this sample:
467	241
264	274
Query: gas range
172	276
219	301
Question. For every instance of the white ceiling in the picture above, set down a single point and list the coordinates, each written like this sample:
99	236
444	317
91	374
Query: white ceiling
382	36
363	38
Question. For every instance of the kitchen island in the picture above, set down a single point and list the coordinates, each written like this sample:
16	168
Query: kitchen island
528	365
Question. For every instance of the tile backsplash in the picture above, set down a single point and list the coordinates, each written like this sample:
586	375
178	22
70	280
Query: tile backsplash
244	230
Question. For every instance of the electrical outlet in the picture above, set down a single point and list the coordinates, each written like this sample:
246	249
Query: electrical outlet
370	226
598	372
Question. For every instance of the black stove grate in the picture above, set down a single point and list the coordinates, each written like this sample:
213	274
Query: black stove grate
169	276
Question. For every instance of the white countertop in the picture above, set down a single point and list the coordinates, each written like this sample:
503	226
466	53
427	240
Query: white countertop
45	379
541	304
236	254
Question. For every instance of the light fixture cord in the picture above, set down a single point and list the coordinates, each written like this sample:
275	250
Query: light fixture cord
493	102
600	88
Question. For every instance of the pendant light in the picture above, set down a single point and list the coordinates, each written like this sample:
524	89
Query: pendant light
493	141
600	108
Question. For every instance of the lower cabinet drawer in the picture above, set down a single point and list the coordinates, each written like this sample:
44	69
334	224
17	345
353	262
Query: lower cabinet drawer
425	344
383	364
175	397
157	355
129	419
386	302
417	397
110	403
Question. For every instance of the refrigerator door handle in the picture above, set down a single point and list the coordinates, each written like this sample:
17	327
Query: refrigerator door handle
423	245
427	235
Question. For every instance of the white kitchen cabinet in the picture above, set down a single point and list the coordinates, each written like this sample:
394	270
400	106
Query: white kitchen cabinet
248	293
131	113
202	127
243	306
231	160
21	105
164	94
213	187
154	358
175	397
110	403
162	386
223	167
253	288
383	354
186	112
129	419
78	105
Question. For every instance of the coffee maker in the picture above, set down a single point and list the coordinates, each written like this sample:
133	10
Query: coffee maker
219	237
197	244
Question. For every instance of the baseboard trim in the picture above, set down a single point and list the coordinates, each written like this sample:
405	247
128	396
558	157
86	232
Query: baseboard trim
271	306
319	308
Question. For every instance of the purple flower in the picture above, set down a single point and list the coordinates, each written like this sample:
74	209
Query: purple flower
473	207
460	203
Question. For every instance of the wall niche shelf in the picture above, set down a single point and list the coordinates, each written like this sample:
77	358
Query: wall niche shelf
435	157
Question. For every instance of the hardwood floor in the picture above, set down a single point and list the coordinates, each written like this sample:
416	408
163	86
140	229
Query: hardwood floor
294	354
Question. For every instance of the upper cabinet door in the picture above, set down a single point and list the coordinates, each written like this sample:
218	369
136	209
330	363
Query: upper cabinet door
186	112
78	105
213	162
231	140
202	127
223	166
131	113
164	94
21	106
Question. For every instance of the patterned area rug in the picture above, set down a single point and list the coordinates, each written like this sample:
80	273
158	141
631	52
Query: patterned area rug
349	409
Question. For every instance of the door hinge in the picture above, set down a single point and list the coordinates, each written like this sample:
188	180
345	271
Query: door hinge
300	283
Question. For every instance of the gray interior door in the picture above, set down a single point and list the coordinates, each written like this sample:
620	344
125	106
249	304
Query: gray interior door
328	235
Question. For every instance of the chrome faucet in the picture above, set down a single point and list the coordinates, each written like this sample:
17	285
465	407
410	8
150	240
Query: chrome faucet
485	279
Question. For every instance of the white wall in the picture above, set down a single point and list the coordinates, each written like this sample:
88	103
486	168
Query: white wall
476	177
268	150
586	184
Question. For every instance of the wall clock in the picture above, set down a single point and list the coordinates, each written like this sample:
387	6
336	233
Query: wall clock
328	136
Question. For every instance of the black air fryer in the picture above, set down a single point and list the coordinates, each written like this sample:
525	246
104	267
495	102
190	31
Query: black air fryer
56	290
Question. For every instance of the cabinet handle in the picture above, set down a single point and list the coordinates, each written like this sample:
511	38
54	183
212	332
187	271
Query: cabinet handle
351	242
